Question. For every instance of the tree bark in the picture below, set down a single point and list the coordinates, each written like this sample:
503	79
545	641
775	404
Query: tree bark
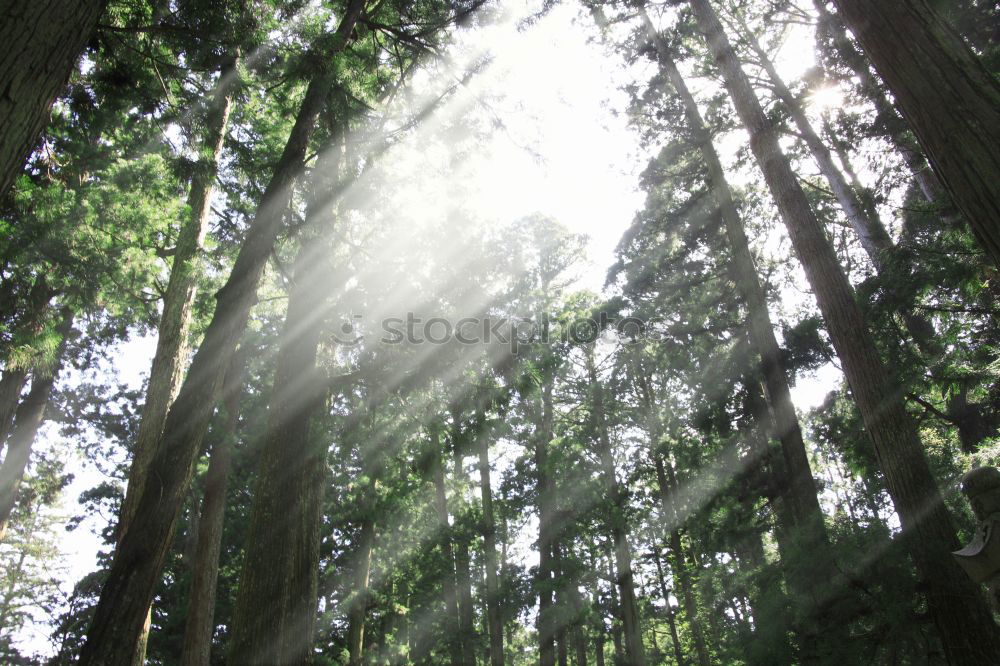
42	43
199	626
281	559
118	618
967	630
948	97
546	624
463	575
671	615
167	368
28	419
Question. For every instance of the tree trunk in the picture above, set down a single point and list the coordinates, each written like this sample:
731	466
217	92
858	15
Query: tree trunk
966	627
42	43
15	373
463	574
199	626
449	588
635	652
281	560
948	97
28	419
494	619
546	612
118	618
671	615
167	368
358	606
667	487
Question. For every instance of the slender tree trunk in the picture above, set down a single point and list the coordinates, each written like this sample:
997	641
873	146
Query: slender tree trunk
671	615
42	43
667	484
448	587
199	626
619	525
949	98
118	618
463	574
15	374
358	606
800	492
494	619
546	612
28	419
956	605
616	614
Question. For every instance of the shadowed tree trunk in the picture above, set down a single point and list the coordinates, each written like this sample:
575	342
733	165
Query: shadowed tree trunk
200	623
463	574
41	43
543	436
669	609
967	630
118	618
28	419
15	374
948	97
358	604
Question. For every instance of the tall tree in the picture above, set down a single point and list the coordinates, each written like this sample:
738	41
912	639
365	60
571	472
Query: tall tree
931	534
118	620
949	98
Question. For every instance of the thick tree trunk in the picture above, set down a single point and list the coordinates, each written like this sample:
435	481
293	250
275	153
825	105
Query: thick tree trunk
963	620
635	652
28	419
948	97
199	626
494	619
167	368
118	618
281	560
42	42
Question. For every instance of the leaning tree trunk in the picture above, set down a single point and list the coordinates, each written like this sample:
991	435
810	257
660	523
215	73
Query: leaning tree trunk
15	373
41	43
947	95
28	419
635	653
966	627
117	623
171	343
281	560
200	625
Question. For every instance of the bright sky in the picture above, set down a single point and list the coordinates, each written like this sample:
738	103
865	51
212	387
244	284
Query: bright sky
561	100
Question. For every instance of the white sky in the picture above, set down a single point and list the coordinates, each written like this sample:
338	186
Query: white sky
561	98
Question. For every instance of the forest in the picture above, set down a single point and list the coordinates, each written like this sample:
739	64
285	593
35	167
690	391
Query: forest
300	368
